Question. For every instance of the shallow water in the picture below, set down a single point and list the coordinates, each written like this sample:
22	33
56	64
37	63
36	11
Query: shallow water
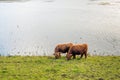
35	27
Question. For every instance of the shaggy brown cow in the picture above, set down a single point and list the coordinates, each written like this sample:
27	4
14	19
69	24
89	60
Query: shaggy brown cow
78	49
61	48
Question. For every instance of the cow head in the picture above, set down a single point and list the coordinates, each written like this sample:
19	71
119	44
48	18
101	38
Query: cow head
57	55
68	56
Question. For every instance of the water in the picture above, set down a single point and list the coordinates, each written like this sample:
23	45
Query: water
35	27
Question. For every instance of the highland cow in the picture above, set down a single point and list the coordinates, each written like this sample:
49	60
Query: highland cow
61	48
78	49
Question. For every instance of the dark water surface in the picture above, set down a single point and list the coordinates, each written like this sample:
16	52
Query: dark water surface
35	27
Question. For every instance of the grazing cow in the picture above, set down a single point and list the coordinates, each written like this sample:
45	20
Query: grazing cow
61	48
78	49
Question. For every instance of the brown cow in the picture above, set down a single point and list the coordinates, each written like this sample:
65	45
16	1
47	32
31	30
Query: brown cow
61	48
78	49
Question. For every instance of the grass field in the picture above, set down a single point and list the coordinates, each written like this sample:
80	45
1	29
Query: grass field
48	68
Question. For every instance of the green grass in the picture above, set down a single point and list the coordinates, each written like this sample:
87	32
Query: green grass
48	68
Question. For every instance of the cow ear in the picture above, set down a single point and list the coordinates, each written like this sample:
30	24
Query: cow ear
59	53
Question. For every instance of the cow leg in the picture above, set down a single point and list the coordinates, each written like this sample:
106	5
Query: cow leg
74	56
81	55
85	55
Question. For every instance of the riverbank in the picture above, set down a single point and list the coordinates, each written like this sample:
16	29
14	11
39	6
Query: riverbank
46	67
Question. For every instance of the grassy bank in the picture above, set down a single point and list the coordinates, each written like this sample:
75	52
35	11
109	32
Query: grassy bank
47	68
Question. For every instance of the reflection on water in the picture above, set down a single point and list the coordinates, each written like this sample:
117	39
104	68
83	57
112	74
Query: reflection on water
37	26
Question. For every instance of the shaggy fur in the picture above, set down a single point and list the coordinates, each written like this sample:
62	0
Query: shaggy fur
61	48
78	49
